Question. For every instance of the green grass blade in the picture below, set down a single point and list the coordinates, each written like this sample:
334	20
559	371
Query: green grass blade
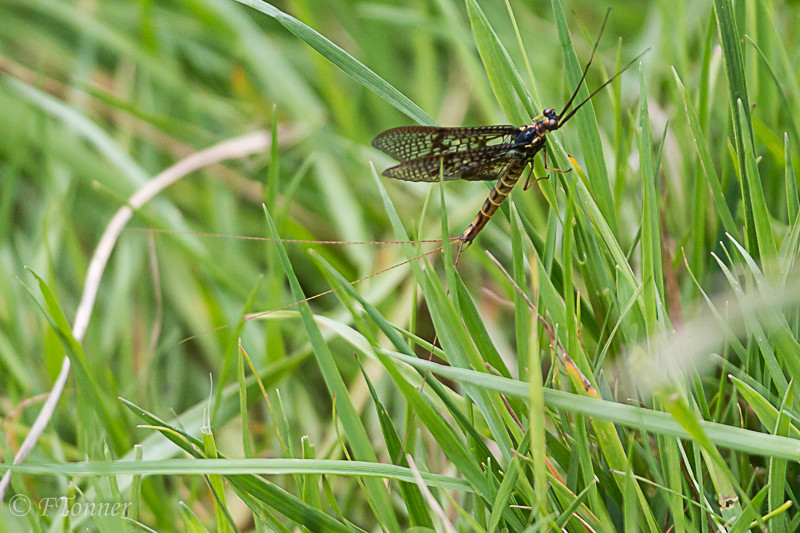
788	109
522	312
246	486
792	199
478	331
767	414
777	470
88	386
357	436
706	163
586	122
761	219
415	503
440	428
652	275
350	65
729	38
643	419
503	76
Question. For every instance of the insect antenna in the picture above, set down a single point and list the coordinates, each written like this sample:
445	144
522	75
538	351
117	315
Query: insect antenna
586	68
612	78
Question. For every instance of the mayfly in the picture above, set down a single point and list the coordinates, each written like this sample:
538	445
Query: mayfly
480	153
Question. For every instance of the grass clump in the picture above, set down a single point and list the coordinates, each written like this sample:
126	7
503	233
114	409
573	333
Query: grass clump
622	357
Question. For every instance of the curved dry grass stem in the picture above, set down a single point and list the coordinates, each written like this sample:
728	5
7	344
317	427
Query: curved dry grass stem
235	148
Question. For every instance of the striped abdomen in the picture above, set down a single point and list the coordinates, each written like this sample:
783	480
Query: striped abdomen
501	190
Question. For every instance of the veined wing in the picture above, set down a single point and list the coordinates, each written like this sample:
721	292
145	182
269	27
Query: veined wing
479	164
411	142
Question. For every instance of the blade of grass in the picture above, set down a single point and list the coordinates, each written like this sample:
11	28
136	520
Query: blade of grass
522	312
706	163
777	470
792	200
350	65
441	429
765	241
88	385
652	275
721	435
247	486
729	38
453	337
588	131
362	449
503	76
415	503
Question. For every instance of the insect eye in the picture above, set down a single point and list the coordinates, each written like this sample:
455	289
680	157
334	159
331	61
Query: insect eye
552	123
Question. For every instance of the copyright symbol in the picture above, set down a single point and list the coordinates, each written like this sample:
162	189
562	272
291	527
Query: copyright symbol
19	505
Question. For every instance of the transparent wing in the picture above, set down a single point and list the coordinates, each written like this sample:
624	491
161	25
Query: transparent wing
411	142
478	164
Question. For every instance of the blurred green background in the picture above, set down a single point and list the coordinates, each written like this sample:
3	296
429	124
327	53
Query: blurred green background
98	97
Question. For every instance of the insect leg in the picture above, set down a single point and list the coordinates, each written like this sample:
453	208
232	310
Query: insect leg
461	245
528	183
553	169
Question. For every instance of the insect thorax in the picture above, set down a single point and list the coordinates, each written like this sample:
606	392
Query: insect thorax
528	136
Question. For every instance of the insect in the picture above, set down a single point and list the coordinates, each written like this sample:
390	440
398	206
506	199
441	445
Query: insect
480	153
